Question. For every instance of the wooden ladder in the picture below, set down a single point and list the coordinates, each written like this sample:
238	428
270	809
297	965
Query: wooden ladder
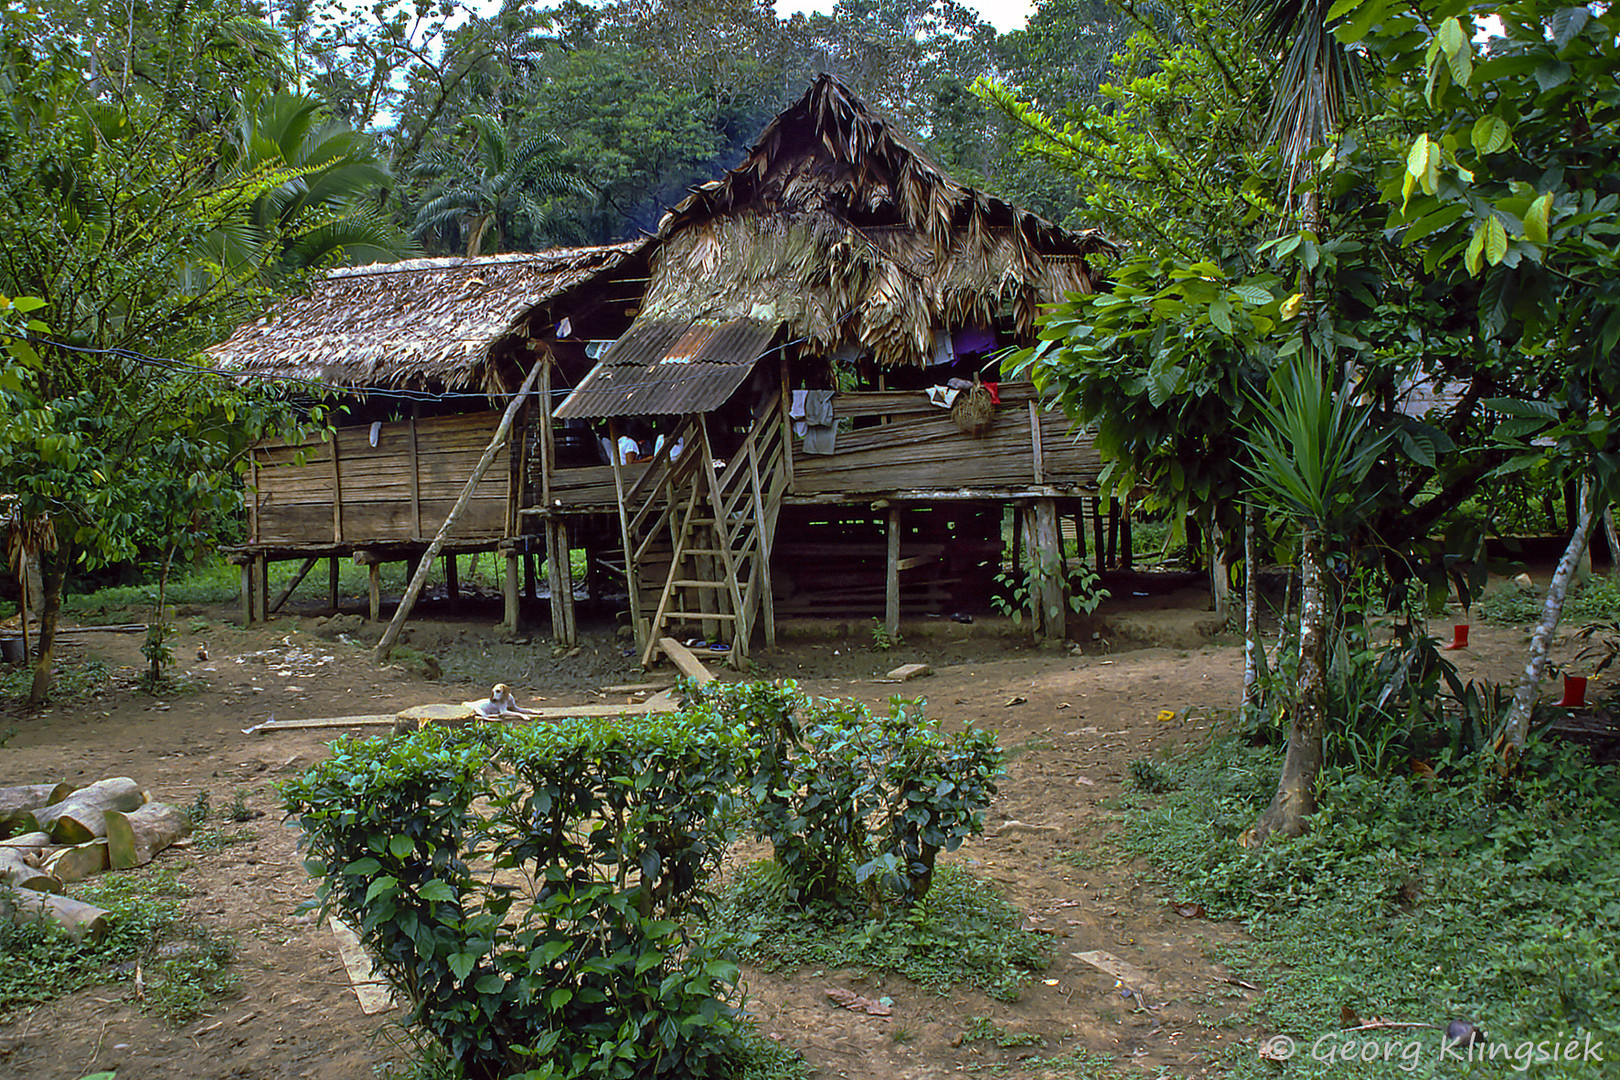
720	524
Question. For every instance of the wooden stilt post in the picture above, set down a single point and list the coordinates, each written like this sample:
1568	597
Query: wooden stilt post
528	574
556	582
565	574
332	581
1097	547
261	588
247	592
374	589
1127	556
1047	587
509	591
420	577
1113	531
891	590
632	575
452	578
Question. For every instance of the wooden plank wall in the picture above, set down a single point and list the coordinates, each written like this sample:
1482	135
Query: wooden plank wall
920	448
373	494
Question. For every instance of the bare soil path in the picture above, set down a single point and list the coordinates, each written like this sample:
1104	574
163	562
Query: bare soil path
1073	723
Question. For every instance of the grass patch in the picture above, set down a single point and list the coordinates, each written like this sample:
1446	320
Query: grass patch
963	934
982	1028
74	682
183	965
1468	899
1598	600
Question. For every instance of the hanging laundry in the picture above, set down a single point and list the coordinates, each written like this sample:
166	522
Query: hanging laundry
821	425
796	412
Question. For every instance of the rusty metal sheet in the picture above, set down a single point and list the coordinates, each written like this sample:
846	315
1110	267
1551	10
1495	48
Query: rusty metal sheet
670	367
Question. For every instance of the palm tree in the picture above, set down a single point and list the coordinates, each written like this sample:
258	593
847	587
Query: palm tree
491	180
315	212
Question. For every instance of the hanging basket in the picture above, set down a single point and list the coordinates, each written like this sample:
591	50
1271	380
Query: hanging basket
973	411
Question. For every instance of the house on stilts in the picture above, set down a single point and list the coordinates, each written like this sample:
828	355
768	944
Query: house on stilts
785	402
422	356
817	343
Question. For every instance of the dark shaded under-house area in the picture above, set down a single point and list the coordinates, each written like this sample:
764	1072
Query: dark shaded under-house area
786	401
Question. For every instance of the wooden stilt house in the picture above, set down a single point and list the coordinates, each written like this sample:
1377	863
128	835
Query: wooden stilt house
422	356
813	348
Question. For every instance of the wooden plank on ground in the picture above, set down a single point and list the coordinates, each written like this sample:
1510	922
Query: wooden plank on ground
373	991
683	659
371	720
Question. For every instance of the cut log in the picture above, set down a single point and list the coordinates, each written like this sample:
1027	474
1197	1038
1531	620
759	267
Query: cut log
78	919
82	815
78	862
30	841
133	838
17	805
19	873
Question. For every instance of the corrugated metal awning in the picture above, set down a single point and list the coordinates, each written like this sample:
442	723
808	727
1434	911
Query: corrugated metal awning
664	367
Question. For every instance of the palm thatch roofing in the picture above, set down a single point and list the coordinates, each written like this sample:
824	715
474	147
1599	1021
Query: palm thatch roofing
415	324
843	228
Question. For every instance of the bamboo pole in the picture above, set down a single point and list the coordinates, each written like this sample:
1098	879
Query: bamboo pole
408	601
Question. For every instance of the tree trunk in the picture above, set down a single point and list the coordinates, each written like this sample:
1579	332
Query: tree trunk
1253	648
1220	569
1295	800
53	572
1516	731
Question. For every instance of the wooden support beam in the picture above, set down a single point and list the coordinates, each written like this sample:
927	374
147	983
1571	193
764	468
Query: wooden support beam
566	573
1046	567
337	492
556	575
332	581
632	575
247	593
1097	545
1035	447
420	577
891	591
683	659
509	592
261	588
548	437
1126	555
374	589
286	593
452	577
416	482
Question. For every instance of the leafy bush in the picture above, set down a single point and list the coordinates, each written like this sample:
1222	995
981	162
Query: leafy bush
1455	895
525	889
846	798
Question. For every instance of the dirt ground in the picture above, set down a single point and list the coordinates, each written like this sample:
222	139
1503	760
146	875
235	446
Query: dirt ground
1073	722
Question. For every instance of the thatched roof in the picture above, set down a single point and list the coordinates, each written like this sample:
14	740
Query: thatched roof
843	228
420	323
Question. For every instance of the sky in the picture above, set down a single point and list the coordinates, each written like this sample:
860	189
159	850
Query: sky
1004	15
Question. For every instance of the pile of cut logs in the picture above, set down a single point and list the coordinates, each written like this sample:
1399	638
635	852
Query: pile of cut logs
52	835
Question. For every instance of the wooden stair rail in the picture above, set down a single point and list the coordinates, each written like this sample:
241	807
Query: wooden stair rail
731	514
